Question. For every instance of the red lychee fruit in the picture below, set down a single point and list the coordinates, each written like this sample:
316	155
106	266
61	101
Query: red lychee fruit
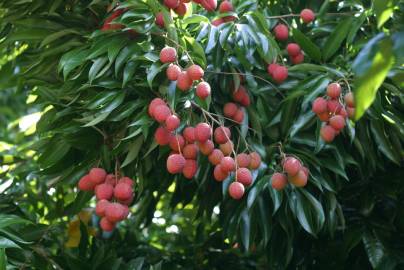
190	168
203	132
239	94
190	151
172	122
219	174
111	179
243	160
227	148
153	104
172	4
334	106
225	6
281	32
222	135
239	116
127	181
206	147
324	117
227	164
230	109
349	99
337	122
203	90
168	55
291	166
217	22
351	112
184	82
85	183
209	5
280	74
327	133
123	191
162	136
293	49
106	225
299	180
189	134
195	72
97	175
306	171
160	19
334	90
100	207
343	113
298	59
319	105
215	157
161	113
177	142
175	163
172	72
181	9
236	190
279	181
255	162
246	101
243	175
271	68
307	15
104	191
127	202
115	212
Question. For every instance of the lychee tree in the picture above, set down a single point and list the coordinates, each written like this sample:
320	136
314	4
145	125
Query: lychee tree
197	134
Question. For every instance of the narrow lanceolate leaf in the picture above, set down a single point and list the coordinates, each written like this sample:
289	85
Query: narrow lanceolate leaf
383	9
374	248
307	45
336	38
367	85
3	259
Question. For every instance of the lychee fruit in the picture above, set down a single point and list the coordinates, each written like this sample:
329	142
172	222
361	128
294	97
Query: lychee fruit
100	207
215	157
189	134
239	94
324	117
351	112
334	106
337	122
111	179
190	168
203	132
195	72
153	104
203	90
123	191
243	160
172	4
307	15
293	49
177	142
127	181
239	116
206	147
217	22
255	160
280	74
279	181
327	133
227	148
299	180
181	9
222	135
106	225
334	90
175	163
291	166
230	109
225	6
190	151
209	5
305	170
104	191
343	113
97	175
243	175
160	19
271	68
184	82
298	59
172	122
162	136
85	183
219	174
281	32
168	55
227	164
236	190
349	99
172	72
319	105
161	113
115	212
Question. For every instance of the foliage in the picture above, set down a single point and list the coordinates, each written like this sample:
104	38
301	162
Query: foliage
92	87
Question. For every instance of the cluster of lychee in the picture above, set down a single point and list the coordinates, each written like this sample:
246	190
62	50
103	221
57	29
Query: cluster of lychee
279	73
224	7
233	110
185	78
333	111
293	172
113	196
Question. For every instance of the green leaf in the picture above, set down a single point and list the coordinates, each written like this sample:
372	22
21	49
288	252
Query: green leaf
383	9
7	243
307	45
72	60
3	259
8	220
153	71
374	248
336	38
134	149
367	85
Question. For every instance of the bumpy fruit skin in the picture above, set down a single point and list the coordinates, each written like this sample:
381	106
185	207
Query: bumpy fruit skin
279	181
172	72
104	192
106	225
230	109
111	180
291	166
222	135
333	106
190	168
280	74
203	132
195	72
127	181
181	9
172	122
209	5
217	22
239	116
306	171
337	122
219	174
171	3
153	104
177	142
175	163
115	212
206	147
298	59
327	133
281	32
215	157
168	55
307	15
239	94
160	20
324	117
349	99
189	134
293	49
127	202
255	161
100	207
271	68
227	164
203	90
246	101
227	148
236	190
97	175
85	183
334	90
319	105
243	160
161	113
225	6
299	180
184	82
190	151
162	136
123	191
243	175
343	113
